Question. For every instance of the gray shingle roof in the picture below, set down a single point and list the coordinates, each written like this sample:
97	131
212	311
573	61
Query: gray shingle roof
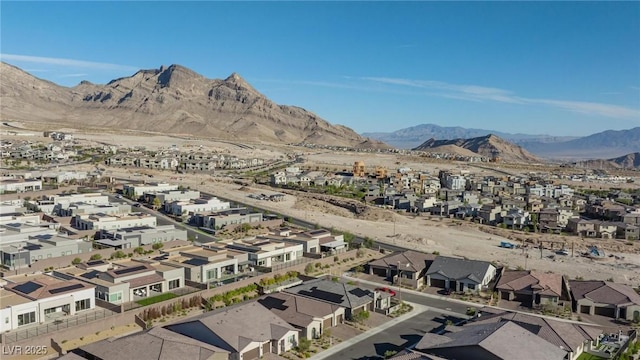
458	269
336	293
296	310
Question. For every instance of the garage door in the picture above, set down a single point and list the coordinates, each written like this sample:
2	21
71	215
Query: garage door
326	324
251	354
379	271
266	348
610	312
584	309
437	283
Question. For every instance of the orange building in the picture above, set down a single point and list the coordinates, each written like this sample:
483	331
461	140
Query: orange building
358	169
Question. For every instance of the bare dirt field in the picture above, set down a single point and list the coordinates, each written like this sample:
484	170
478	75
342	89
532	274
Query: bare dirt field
431	234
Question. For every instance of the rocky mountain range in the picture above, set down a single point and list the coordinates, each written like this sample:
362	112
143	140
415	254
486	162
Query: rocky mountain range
629	161
411	137
603	145
169	100
489	146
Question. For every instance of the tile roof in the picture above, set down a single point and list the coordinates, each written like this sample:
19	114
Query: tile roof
155	344
531	281
418	261
296	310
345	295
565	335
457	269
604	292
506	340
234	328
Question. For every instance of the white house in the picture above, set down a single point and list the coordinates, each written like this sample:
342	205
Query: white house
198	206
43	299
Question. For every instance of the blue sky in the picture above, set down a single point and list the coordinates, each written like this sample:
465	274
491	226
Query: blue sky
567	68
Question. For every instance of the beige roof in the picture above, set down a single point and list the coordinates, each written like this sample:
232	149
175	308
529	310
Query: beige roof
604	292
296	310
8	298
418	261
233	329
44	287
145	280
533	281
155	344
563	334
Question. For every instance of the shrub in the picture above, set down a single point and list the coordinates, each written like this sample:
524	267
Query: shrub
308	269
318	265
157	246
139	250
76	261
95	257
336	259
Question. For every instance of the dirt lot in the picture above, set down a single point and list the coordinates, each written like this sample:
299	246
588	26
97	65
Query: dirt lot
433	234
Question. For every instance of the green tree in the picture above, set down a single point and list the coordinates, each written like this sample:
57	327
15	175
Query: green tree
156	203
139	250
76	261
360	317
95	257
157	246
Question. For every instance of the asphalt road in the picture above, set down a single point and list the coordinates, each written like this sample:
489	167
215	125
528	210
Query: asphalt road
398	337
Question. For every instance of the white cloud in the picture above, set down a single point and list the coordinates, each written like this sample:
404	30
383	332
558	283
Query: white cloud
65	62
481	93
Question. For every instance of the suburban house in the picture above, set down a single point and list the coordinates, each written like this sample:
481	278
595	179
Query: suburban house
310	316
627	231
208	264
581	227
248	331
569	337
460	274
130	238
410	266
197	206
157	343
503	340
532	288
135	191
605	298
127	281
42	298
99	222
266	252
352	298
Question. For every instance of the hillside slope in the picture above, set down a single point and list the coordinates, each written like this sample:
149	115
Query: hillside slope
490	146
170	99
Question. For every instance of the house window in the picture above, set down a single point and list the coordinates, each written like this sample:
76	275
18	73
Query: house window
83	304
471	286
292	339
261	262
174	284
212	274
115	297
28	318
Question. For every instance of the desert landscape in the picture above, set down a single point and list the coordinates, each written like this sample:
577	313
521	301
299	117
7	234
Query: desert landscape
434	234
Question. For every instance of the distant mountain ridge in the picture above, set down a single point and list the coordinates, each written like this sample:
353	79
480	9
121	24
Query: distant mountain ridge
171	99
413	136
489	146
629	161
603	145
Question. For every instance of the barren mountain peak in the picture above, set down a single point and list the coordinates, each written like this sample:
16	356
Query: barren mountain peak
170	99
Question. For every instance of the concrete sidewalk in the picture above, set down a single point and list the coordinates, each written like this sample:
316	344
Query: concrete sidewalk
334	350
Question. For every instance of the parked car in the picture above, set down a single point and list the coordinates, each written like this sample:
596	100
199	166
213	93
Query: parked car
387	290
447	291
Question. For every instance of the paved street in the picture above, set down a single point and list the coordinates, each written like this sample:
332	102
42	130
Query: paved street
397	337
